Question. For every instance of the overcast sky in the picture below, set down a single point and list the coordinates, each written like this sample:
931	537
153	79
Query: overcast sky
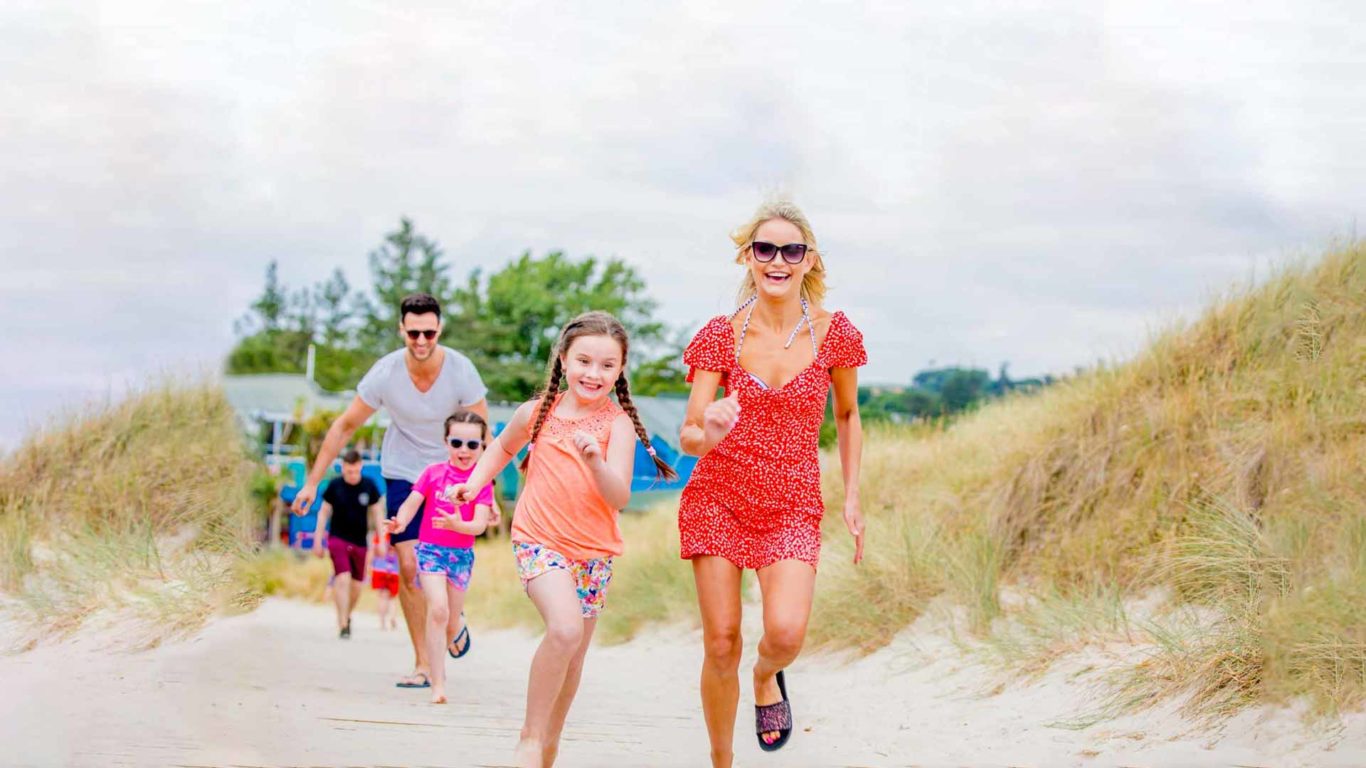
1040	183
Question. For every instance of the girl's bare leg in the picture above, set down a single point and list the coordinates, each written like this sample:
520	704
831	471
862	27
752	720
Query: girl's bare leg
383	597
557	600
551	748
438	612
455	598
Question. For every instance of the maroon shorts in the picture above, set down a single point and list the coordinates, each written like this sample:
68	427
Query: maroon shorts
346	557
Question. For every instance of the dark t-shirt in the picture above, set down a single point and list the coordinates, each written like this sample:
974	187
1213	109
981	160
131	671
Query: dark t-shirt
350	506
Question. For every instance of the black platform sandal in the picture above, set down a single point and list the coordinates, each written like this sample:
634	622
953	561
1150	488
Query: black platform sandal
774	717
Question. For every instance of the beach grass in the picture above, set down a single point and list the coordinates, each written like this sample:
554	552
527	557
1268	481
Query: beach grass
140	508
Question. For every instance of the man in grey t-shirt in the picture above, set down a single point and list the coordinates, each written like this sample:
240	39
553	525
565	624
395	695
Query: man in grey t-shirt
420	385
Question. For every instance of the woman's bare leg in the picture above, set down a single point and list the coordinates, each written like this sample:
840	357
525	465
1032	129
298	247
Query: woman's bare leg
788	587
718	599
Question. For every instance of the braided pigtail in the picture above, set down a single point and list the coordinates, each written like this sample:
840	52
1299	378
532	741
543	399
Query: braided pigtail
662	468
552	387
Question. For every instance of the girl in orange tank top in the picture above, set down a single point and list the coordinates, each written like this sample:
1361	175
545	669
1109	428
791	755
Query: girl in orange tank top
564	530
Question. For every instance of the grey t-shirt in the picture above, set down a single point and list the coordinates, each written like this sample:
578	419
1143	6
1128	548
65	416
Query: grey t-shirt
414	439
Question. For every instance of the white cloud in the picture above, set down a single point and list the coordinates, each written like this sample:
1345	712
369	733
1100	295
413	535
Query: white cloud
1039	184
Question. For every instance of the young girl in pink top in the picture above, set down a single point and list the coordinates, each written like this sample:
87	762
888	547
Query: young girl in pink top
445	541
564	530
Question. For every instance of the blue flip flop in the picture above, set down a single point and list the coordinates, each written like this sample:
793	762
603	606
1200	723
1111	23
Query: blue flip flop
426	682
465	633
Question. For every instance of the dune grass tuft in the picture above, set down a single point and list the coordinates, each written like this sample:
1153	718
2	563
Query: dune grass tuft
142	505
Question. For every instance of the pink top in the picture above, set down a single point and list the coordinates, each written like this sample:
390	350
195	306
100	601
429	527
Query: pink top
431	484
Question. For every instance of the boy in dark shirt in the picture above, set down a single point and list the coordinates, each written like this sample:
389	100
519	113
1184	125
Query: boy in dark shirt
351	502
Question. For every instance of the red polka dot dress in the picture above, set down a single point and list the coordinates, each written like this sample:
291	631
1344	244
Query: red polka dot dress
755	498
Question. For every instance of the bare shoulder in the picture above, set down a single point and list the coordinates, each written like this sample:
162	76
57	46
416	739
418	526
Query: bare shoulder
735	322
821	319
526	411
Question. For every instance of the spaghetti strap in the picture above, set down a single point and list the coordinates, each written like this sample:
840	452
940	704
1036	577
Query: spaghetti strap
752	302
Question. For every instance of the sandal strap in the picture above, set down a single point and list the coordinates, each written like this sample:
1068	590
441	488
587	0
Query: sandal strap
773	717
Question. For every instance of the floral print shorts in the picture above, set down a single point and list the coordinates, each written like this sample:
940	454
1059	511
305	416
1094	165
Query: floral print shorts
590	576
455	563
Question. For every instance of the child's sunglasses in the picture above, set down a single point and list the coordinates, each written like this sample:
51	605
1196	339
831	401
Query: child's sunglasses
427	334
793	253
473	445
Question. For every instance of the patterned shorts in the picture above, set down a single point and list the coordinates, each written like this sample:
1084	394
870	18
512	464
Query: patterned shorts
590	576
457	563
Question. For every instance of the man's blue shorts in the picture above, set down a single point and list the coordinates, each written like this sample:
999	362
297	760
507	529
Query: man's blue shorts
395	493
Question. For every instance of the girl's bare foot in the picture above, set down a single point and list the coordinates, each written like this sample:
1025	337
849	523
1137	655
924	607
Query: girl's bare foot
549	752
528	754
438	696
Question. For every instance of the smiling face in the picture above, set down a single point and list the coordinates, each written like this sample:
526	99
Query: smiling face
464	456
427	324
592	365
777	279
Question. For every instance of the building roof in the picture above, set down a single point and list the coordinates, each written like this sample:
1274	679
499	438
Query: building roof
287	397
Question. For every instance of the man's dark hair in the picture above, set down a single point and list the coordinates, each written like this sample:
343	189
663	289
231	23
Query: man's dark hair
352	456
418	304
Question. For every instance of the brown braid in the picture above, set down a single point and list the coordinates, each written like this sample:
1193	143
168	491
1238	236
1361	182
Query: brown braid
662	468
594	324
552	387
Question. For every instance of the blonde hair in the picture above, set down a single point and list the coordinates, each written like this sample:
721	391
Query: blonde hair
813	284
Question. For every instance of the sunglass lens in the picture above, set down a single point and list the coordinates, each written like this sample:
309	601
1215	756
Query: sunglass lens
793	253
765	251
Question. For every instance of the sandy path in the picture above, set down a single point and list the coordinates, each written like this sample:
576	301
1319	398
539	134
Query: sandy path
277	688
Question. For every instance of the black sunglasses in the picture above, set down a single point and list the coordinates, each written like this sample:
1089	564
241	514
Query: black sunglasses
793	253
473	445
427	334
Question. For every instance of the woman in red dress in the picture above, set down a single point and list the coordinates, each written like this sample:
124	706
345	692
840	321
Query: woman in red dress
754	499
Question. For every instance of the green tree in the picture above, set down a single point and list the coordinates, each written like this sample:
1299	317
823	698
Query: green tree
921	404
274	331
962	388
406	262
664	372
335	310
270	305
508	322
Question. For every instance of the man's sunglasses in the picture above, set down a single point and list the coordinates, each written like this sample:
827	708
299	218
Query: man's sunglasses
427	334
473	445
793	253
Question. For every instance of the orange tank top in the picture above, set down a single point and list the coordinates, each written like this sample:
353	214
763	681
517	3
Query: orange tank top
560	506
